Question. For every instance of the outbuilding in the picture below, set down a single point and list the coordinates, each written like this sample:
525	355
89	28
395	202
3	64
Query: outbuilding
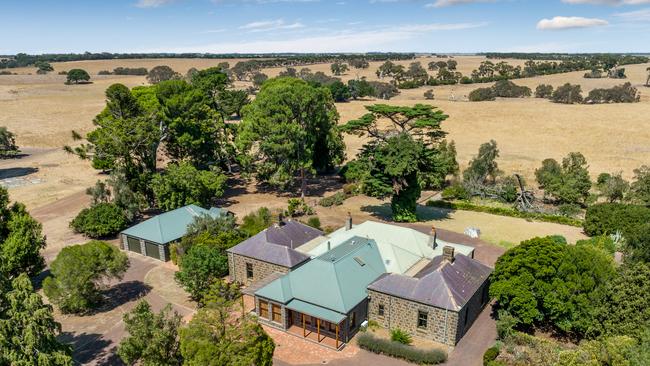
152	237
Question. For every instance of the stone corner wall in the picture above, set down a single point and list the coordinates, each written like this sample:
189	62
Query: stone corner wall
261	269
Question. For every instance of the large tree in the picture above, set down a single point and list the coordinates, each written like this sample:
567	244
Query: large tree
153	338
289	129
8	145
403	153
566	183
640	188
80	271
161	73
21	240
75	76
27	327
182	184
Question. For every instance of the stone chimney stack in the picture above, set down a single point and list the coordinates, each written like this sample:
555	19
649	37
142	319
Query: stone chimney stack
280	219
348	222
448	254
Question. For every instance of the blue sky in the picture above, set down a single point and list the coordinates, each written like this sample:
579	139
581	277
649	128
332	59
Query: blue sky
219	26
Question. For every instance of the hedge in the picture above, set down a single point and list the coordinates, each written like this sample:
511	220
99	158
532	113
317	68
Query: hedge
394	349
608	218
501	211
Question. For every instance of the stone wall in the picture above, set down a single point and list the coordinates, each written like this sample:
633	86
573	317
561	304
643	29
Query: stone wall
237	268
442	325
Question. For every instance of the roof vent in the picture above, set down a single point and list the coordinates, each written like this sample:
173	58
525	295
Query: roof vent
360	261
332	258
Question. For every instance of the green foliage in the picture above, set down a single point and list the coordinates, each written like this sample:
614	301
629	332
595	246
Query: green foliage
400	336
360	88
182	184
455	191
256	221
339	68
384	91
75	76
7	143
609	218
567	94
153	338
506	324
625	93
78	272
340	92
21	240
27	327
161	73
542	281
428	95
314	222
336	199
201	266
484	165
508	89
640	188
502	211
298	207
214	338
602	242
544	91
568	183
490	355
612	187
289	129
100	220
398	350
482	94
569	210
637	243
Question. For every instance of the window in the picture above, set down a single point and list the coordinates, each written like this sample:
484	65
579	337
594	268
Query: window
423	318
249	270
264	309
277	313
380	311
353	320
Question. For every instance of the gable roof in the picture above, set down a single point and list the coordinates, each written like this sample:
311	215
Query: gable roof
441	283
400	247
171	225
276	244
336	280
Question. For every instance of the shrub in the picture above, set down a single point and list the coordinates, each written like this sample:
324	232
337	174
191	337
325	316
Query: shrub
384	346
334	200
508	89
130	71
257	221
603	242
567	94
608	218
569	209
400	336
298	207
314	222
482	94
351	189
428	95
455	191
625	93
490	355
104	72
544	91
100	220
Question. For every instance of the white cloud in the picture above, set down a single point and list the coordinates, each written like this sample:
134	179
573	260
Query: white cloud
269	25
559	23
607	2
442	3
152	3
642	15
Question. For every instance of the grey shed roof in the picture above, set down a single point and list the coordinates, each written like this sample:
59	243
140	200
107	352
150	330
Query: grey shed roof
442	284
276	244
170	226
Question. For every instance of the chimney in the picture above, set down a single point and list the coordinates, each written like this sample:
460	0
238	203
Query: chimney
348	222
448	254
434	235
329	246
280	219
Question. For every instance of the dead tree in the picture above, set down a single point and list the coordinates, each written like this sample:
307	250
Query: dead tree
525	198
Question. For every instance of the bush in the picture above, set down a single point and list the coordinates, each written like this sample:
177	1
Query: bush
130	71
567	94
455	191
100	220
544	91
502	211
428	95
104	72
608	218
603	242
482	94
314	222
351	189
625	93
569	209
384	346
400	336
490	355
334	200
298	207
508	89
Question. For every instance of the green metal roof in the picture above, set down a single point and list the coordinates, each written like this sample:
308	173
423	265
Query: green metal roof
170	226
315	310
336	280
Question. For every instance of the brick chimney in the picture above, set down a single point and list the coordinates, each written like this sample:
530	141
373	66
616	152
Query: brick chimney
448	254
434	235
348	222
280	219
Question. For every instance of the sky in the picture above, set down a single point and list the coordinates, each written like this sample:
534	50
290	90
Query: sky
266	26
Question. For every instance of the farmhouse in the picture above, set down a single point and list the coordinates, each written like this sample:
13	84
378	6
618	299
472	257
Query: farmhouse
396	276
152	237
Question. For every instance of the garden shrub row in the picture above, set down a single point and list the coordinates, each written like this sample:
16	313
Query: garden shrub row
387	347
501	211
608	218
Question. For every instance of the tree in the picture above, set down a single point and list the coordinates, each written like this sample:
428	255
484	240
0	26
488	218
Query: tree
339	68
612	187
21	240
640	188
544	91
359	63
566	184
428	95
290	128
259	79
400	156
153	338
481	95
637	244
256	221
161	73
182	184
384	90
567	94
233	101
43	67
360	88
100	220
216	337
75	76
340	92
647	80
610	218
200	267
7	143
27	327
484	165
78	273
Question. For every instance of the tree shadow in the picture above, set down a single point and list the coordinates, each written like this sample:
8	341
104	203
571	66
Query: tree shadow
424	213
90	347
16	172
236	186
37	281
121	294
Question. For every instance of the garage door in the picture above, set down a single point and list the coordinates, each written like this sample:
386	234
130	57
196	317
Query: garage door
152	250
134	244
